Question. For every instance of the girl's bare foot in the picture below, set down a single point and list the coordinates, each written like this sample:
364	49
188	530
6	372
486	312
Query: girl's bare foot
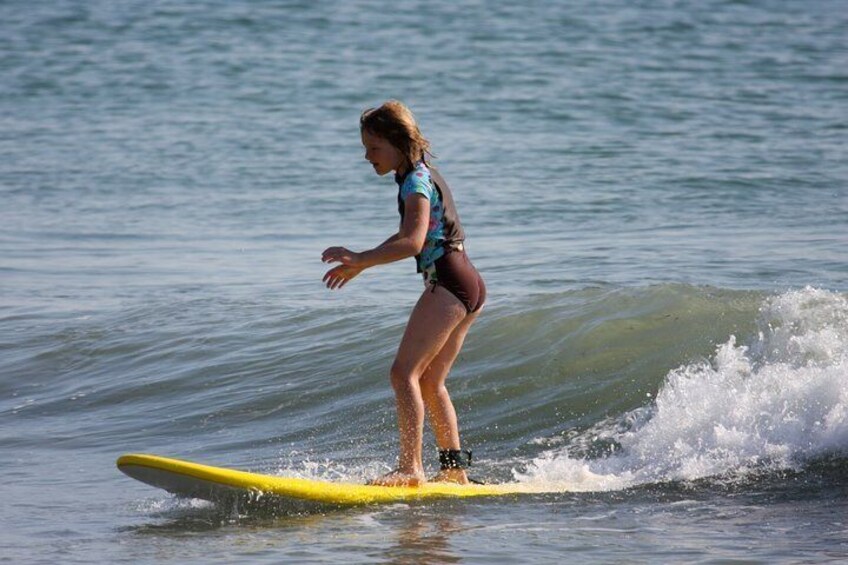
457	476
398	479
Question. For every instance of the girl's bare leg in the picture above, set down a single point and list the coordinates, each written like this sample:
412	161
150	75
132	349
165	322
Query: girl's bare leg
431	325
437	400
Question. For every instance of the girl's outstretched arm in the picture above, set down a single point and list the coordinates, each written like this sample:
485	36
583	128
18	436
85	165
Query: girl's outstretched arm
407	242
340	275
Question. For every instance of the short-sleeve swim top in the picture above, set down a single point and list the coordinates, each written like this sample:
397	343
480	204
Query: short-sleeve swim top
444	227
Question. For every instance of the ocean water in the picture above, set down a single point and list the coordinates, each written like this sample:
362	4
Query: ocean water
655	191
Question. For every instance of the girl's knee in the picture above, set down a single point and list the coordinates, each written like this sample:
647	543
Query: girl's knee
432	389
428	389
401	376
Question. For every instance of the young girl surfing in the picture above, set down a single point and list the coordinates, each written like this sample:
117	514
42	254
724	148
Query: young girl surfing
453	296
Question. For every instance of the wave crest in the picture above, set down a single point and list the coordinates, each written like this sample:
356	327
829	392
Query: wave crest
775	403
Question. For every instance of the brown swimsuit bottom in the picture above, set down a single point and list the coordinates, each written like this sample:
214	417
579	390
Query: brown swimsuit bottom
455	272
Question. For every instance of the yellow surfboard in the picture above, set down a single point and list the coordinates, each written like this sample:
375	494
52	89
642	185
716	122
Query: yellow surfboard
205	482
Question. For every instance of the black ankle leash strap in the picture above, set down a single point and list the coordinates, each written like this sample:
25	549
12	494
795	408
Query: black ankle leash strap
453	459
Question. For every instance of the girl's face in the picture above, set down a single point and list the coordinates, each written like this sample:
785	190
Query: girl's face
382	155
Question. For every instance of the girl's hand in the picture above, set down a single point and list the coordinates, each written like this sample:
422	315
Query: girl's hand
341	255
339	276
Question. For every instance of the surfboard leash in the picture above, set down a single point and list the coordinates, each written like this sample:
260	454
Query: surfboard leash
456	459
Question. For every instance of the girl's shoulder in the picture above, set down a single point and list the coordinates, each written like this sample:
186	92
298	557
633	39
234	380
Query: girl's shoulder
417	181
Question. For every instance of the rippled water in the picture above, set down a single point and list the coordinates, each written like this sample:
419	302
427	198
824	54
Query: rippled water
655	193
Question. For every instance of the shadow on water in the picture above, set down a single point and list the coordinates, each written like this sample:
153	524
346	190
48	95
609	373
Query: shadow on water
185	515
399	533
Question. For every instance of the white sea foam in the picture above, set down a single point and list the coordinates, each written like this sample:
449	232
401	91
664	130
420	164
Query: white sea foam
775	403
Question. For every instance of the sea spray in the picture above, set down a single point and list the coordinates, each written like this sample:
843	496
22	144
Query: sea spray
775	403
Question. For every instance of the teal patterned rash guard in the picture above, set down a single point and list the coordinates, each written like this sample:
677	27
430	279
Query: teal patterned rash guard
444	231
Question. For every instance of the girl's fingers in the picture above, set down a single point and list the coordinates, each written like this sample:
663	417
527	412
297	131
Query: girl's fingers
339	276
334	254
334	280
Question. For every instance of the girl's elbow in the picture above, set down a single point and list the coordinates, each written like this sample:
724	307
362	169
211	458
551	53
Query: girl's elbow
417	246
411	249
412	245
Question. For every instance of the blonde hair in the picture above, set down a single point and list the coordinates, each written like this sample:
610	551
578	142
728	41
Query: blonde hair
395	123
